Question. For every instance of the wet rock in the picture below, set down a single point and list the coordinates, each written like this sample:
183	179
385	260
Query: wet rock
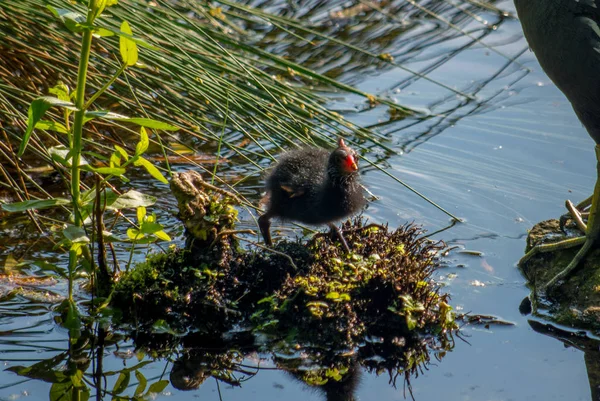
575	303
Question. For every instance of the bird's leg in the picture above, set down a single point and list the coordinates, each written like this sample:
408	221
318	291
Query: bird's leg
264	223
336	230
592	233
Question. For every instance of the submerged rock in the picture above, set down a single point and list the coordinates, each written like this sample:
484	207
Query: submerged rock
575	303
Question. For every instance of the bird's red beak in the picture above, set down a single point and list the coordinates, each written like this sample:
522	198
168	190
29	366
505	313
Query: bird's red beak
351	165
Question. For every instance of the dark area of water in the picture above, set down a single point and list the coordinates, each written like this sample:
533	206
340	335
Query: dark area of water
503	162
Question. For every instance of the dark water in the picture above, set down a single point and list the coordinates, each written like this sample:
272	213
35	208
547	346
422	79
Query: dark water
502	162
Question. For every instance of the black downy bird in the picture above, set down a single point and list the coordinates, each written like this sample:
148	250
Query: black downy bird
565	37
314	187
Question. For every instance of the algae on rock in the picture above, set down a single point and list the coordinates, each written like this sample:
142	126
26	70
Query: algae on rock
575	303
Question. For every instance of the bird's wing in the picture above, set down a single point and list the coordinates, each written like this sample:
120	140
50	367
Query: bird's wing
293	192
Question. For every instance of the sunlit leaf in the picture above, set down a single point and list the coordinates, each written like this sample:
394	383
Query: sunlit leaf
102	32
100	5
51	126
144	142
152	170
134	234
122	152
129	51
141	213
115	159
133	199
150	228
118	171
61	91
74	21
144	122
162	235
34	204
36	111
62	155
75	234
138	41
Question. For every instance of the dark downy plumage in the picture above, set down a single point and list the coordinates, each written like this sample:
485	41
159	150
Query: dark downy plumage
313	186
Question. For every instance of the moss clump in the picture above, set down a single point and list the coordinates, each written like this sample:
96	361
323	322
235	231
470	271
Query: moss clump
382	288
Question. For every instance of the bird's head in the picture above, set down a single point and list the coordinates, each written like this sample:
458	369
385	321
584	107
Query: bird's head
343	160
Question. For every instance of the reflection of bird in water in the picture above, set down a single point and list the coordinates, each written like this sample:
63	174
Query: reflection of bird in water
565	37
313	186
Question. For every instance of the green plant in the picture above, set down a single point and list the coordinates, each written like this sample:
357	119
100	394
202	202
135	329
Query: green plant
86	213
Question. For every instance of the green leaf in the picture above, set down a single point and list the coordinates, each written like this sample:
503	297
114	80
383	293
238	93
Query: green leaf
102	32
122	152
100	5
34	204
122	382
141	213
73	320
46	266
142	383
134	234
129	51
51	126
132	199
150	228
61	91
61	391
158	387
74	21
162	235
76	378
144	142
151	168
62	155
144	122
36	111
162	327
115	159
118	171
76	234
138	41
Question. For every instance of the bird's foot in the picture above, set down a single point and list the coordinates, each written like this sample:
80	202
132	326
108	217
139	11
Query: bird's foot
566	272
576	213
552	247
333	234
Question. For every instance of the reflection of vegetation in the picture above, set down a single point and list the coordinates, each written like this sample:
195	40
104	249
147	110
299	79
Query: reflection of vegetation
335	372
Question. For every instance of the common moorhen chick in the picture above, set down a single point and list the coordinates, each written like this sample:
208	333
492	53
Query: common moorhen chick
314	187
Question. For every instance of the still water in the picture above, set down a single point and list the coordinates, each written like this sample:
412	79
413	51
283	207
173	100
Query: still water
502	162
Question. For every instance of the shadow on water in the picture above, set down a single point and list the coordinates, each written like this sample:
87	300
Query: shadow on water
580	340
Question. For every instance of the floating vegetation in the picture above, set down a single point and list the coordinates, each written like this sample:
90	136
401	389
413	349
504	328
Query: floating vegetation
300	295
